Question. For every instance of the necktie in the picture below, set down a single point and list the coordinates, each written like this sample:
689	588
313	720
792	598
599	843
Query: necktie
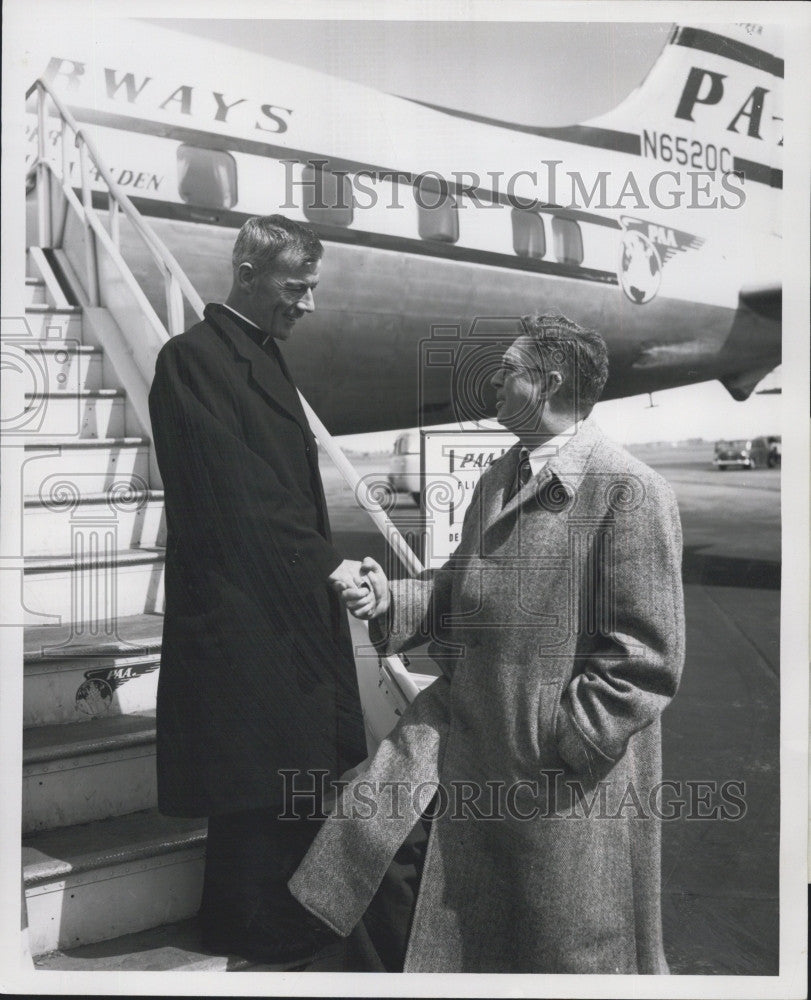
523	474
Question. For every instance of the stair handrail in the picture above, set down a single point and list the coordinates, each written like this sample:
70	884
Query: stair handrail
178	281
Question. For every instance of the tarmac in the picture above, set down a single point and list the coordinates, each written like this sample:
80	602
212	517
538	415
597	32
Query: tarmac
721	739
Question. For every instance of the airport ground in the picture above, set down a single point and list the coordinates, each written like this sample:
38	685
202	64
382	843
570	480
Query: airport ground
719	875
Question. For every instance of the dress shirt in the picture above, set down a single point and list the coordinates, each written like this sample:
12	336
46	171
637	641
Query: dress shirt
539	456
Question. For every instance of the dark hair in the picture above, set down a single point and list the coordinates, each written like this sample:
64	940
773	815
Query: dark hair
264	237
580	355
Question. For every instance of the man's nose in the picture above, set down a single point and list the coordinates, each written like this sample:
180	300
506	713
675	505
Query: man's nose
496	380
307	302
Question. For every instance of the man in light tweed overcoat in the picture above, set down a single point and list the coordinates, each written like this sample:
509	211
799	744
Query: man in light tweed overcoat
540	743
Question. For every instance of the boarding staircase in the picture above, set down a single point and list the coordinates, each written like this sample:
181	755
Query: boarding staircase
108	882
98	860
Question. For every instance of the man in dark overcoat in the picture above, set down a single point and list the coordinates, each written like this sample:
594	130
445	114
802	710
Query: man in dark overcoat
257	671
540	743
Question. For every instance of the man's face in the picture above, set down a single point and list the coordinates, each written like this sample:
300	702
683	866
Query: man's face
283	294
519	385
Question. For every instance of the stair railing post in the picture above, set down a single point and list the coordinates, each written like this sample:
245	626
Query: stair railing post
115	222
89	235
175	315
43	176
59	235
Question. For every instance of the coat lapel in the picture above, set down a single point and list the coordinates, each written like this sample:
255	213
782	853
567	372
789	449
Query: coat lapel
568	466
497	485
264	370
570	463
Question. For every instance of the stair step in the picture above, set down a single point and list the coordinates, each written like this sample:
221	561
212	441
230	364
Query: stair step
78	444
81	688
56	367
34	291
91	559
89	771
40	309
170	948
101	880
50	520
100	584
85	465
134	635
43	745
50	324
72	674
177	948
93	413
81	394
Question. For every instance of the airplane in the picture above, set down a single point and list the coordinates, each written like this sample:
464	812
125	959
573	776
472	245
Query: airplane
657	223
437	237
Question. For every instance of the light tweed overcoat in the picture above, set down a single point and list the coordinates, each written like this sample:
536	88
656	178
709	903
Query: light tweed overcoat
567	608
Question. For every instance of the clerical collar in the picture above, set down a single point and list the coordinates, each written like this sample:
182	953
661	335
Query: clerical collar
254	331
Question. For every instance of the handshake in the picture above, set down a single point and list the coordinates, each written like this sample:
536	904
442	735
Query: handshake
363	587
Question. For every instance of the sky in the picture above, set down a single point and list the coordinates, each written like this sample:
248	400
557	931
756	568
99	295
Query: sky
528	73
533	73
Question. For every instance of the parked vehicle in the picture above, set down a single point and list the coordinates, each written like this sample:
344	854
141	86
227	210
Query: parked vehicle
404	472
747	453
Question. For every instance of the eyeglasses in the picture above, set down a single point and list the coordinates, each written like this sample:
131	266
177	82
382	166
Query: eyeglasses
507	368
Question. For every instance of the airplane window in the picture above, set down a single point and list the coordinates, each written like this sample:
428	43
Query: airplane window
437	213
567	240
328	197
529	235
207	178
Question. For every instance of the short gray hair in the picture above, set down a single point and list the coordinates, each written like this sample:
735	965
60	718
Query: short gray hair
579	354
264	237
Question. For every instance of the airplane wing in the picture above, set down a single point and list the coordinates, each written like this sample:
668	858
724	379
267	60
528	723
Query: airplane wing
766	300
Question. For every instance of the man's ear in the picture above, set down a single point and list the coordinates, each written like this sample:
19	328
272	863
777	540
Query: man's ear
554	380
245	276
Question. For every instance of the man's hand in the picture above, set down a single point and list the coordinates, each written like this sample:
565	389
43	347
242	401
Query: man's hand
346	574
349	578
372	597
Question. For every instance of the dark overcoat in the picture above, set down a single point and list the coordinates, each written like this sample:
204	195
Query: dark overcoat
257	672
542	743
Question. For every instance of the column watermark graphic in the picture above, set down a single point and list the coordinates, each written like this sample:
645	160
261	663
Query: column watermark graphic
78	508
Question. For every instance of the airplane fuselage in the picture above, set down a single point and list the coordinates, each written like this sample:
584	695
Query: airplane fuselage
442	229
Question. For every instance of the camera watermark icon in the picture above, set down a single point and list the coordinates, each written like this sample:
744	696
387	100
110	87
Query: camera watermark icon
43	375
456	367
25	377
464	368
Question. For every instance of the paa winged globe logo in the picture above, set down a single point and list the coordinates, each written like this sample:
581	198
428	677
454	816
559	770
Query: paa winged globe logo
640	267
645	248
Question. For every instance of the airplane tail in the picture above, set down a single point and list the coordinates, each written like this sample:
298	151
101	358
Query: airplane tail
712	101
